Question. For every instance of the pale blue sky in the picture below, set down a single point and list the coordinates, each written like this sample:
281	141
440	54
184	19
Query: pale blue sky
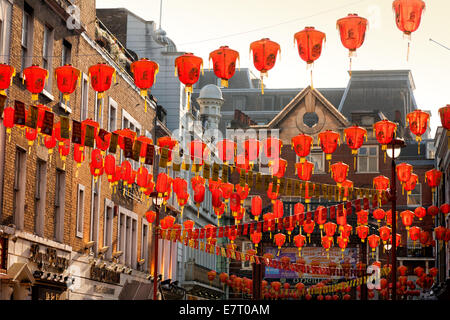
195	25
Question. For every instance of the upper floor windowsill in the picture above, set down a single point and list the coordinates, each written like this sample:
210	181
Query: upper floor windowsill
48	95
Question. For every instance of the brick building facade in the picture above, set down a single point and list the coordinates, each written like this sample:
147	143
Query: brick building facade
102	237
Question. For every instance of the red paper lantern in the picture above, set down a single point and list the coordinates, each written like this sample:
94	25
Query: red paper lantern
162	184
444	114
374	241
197	180
404	172
352	30
424	238
398	239
408	14
150	216
330	229
227	190
199	194
445	208
256	238
381	183
141	178
342	242
251	149
35	78
50	142
273	195
439	232
144	74
407	218
235	203
110	165
188	68
328	141
167	222
8	120
101	78
278	167
299	241
224	63
418	124
420	212
78	154
414	233
7	73
362	217
242	191
256	207
385	233
433	178
384	131
302	146
64	149
309	42
320	216
326	243
198	151
226	149
272	147
66	78
339	172
308	227
264	56
362	232
279	239
354	136
379	214
304	170
432	211
410	185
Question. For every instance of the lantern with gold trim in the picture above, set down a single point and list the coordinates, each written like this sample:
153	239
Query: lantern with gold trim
418	124
144	74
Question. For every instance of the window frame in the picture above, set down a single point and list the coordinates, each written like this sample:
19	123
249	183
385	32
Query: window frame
316	151
47	57
127	258
80	211
112	104
27	44
419	194
20	172
60	201
145	244
368	157
108	241
84	107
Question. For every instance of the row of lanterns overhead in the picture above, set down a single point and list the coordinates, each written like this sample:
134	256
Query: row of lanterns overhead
188	66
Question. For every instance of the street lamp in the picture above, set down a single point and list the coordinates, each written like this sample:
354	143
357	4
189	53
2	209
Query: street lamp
157	202
393	151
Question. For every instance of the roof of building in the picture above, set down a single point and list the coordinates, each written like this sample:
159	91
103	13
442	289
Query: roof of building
211	91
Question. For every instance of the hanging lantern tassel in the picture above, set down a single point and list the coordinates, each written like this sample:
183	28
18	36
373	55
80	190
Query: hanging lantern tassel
278	253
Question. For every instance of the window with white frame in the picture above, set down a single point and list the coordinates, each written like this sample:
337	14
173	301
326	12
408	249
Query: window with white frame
95	212
80	211
27	36
60	196
108	228
127	237
47	54
19	187
317	157
41	191
84	97
144	244
415	198
368	159
98	110
246	245
112	114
